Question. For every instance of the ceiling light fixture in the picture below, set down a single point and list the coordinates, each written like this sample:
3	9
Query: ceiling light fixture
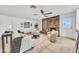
33	6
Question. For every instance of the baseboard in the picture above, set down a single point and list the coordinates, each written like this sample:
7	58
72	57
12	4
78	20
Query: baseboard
69	38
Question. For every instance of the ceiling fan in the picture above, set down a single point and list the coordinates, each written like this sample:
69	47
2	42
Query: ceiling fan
43	13
33	6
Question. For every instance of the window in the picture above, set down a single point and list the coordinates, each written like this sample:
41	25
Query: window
67	22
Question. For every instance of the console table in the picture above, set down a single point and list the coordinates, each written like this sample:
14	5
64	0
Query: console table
6	35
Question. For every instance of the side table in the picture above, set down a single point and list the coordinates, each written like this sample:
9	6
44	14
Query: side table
3	36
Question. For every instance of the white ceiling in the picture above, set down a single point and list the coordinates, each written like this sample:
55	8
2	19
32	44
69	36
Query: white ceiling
24	11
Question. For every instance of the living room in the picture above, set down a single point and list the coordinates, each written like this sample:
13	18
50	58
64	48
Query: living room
29	28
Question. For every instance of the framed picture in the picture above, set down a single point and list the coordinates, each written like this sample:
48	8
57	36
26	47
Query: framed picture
26	24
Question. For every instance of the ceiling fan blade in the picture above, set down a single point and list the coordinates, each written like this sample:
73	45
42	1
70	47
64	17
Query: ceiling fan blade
48	13
36	14
33	6
45	16
42	11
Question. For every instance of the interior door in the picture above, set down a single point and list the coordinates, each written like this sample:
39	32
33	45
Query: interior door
44	25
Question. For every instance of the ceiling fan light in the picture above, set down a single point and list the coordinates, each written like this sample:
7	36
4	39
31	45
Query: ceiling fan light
42	15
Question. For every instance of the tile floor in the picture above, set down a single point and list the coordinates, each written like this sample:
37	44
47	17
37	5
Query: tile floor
62	45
